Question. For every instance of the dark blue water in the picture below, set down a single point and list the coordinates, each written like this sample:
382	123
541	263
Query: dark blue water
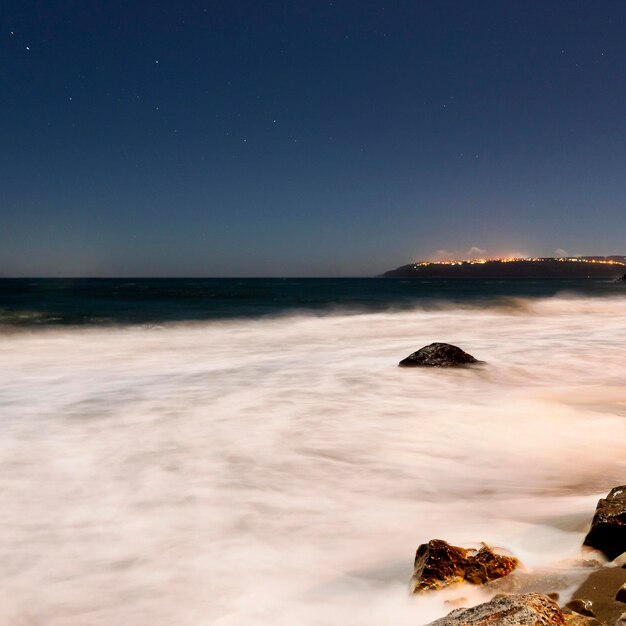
28	302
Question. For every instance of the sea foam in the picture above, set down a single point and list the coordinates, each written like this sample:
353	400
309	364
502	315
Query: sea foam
283	471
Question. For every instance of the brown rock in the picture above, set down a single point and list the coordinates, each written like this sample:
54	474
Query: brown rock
608	528
438	564
532	609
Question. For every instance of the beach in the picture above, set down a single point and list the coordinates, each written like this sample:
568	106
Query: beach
283	470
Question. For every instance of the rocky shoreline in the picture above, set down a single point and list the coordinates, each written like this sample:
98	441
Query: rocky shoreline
522	598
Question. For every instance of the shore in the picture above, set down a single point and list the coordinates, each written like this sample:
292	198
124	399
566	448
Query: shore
282	471
588	591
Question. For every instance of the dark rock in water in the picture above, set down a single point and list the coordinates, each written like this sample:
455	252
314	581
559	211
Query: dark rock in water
608	528
438	564
532	609
438	355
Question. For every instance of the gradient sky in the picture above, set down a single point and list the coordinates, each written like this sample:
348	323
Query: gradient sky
251	138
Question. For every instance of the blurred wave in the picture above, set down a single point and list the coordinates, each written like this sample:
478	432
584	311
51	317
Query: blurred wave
283	470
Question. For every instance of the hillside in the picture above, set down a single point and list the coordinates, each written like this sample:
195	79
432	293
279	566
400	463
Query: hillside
589	267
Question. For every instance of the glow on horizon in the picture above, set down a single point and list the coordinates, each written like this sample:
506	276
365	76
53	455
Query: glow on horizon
512	259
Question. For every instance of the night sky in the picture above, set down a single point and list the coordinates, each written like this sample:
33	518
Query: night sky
343	138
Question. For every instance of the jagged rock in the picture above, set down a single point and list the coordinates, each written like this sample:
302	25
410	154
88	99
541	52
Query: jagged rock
439	355
532	609
608	528
438	564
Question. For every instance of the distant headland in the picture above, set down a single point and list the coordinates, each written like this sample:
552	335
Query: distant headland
516	267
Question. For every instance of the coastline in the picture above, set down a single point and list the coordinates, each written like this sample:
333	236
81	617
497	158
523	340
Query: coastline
288	465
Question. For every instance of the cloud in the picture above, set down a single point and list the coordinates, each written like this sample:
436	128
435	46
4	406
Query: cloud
442	255
559	252
448	255
475	253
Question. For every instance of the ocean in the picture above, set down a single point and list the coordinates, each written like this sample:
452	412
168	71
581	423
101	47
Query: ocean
247	452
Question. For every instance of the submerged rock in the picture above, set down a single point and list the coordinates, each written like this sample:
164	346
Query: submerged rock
438	564
438	355
608	528
531	609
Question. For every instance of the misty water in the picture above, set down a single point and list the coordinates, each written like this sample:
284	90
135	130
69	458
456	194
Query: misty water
283	471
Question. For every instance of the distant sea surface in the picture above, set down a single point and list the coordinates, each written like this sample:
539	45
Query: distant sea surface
248	453
32	302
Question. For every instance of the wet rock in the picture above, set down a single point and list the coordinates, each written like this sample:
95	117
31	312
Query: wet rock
532	609
582	607
608	528
438	564
439	355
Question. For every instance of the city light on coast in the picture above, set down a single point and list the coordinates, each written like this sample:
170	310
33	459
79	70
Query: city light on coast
579	259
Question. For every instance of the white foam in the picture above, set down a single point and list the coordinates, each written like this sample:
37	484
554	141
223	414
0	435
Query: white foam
283	471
